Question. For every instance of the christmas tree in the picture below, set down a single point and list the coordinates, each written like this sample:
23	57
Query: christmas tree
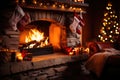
109	30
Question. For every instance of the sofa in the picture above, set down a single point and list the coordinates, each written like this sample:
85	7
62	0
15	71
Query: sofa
111	68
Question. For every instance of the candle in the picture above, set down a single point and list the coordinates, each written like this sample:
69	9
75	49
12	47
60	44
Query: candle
19	56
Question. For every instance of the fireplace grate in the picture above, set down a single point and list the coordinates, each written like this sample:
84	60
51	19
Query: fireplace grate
40	51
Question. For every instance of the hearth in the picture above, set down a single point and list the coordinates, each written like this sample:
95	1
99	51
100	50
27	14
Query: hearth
41	37
40	51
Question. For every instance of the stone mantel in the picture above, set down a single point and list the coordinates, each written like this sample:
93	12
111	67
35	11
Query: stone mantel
38	62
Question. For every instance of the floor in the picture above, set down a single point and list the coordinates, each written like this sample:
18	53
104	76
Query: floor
81	77
79	73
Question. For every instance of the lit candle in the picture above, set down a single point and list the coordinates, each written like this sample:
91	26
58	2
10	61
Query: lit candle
87	50
71	53
19	56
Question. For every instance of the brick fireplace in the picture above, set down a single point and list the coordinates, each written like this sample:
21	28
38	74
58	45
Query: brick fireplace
52	24
55	25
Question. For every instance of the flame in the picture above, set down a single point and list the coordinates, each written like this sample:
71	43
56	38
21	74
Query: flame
36	35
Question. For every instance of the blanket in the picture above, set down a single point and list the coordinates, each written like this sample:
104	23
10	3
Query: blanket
96	62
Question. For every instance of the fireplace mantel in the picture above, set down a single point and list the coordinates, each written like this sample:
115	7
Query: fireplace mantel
55	5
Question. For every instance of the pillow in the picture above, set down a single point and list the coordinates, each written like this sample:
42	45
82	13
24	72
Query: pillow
93	47
103	45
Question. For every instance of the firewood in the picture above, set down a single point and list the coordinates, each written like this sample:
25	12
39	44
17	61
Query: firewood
27	44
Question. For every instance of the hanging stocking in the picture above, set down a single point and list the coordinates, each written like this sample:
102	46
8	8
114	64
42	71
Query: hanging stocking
74	24
16	17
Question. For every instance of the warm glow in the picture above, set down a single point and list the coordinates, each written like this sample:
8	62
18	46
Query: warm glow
19	56
71	53
35	37
54	35
62	6
87	50
34	2
17	1
34	34
23	1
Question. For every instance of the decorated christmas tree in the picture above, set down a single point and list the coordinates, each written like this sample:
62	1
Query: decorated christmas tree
109	30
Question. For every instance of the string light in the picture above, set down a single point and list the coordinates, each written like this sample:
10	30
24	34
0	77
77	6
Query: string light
23	1
110	26
34	2
54	5
17	1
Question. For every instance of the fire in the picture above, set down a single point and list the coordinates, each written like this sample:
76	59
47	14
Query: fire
34	34
35	38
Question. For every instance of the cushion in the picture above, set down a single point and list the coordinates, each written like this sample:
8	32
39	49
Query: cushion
96	47
103	45
93	47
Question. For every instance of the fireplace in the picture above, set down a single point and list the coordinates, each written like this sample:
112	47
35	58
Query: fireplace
54	25
54	34
41	37
50	20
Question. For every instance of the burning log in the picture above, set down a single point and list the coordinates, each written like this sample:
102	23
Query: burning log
41	50
27	44
37	49
41	43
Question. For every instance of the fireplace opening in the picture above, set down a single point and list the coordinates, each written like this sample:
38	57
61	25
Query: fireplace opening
41	37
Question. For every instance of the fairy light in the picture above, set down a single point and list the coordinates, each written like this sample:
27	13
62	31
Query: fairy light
111	41
110	26
103	40
60	6
111	31
99	36
105	20
108	18
111	12
34	2
75	0
23	1
106	38
110	36
117	24
53	5
114	26
40	4
63	7
115	16
17	1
